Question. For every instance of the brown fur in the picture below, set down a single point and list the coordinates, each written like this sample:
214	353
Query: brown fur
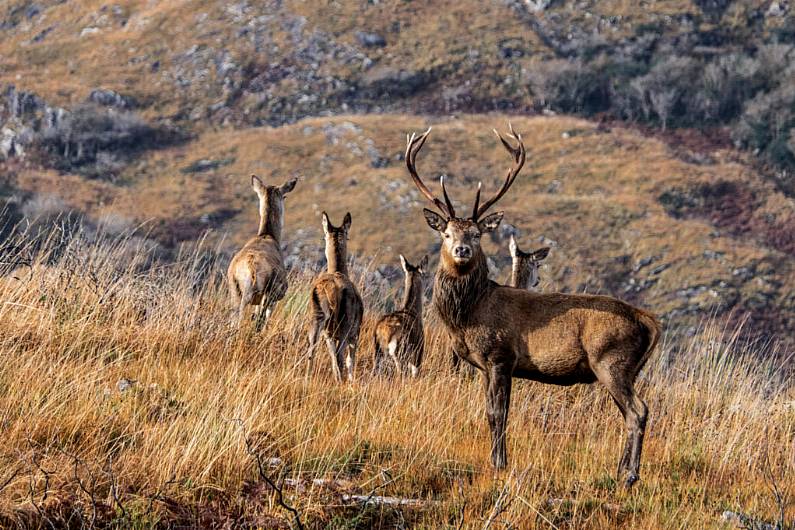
256	274
559	339
525	265
400	334
336	309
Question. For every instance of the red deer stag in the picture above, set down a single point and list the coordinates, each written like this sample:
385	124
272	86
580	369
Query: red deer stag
256	274
525	265
505	332
400	334
336	308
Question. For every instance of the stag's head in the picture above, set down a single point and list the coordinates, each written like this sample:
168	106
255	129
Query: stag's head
461	235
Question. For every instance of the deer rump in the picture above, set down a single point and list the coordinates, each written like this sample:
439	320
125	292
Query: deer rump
258	269
560	339
334	298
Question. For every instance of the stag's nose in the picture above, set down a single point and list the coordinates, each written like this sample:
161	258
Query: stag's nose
462	251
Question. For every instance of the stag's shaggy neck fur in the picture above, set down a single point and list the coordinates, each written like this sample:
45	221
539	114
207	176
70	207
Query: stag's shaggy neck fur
458	289
271	216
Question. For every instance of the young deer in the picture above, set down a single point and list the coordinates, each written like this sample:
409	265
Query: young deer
256	274
336	308
400	334
505	332
525	265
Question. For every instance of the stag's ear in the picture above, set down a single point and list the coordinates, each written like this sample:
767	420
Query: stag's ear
346	223
490	222
512	246
288	186
434	220
326	223
404	264
256	183
540	254
424	264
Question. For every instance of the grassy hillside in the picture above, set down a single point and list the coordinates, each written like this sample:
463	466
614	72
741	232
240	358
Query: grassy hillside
128	401
625	214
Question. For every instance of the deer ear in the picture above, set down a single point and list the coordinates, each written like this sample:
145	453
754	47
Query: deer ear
541	254
512	246
404	263
490	222
346	223
256	183
288	186
434	220
326	223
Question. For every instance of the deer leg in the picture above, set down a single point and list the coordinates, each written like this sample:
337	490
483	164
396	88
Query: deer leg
350	359
392	348
314	336
497	381
378	357
634	411
640	413
243	309
336	364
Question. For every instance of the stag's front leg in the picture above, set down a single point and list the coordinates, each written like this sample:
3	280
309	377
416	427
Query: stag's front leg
497	381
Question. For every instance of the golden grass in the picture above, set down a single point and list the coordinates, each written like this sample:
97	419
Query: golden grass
722	418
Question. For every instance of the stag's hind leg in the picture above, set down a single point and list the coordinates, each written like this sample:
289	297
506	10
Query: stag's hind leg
635	413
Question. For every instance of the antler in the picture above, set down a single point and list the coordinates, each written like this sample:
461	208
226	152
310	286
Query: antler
518	154
413	145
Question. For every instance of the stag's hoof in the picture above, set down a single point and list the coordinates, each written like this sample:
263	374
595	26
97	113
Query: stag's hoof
632	478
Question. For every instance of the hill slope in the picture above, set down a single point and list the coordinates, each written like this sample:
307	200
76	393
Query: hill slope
624	213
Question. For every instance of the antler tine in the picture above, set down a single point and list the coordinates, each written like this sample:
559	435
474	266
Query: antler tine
413	145
477	201
447	200
518	154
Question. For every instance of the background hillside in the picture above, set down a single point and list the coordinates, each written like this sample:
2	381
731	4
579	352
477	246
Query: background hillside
671	189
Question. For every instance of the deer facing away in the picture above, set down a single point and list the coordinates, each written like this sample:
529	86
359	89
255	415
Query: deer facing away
256	274
525	265
400	334
336	308
560	339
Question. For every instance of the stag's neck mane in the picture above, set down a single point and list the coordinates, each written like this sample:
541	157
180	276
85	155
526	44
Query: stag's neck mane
457	291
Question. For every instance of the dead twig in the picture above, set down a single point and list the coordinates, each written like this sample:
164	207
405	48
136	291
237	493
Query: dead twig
252	452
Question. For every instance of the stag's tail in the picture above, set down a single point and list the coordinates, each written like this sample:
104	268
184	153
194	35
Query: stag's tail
653	332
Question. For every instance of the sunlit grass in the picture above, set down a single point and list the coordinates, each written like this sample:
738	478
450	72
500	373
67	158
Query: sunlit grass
173	446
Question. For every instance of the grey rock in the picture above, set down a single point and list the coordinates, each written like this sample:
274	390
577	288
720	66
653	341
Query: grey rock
124	384
111	98
370	40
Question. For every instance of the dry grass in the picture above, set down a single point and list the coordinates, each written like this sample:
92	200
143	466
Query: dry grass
177	446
